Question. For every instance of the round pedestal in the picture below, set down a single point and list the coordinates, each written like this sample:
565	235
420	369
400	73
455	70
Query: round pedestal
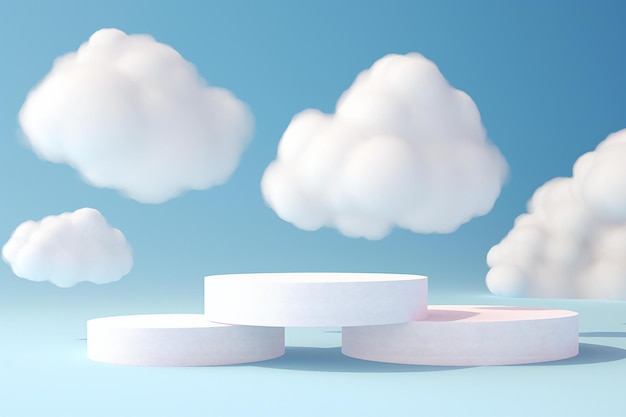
469	336
315	299
179	340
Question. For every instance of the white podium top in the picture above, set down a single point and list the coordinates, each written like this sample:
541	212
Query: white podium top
156	321
320	299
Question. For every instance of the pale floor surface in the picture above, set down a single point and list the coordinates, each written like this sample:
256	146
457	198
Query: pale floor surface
44	372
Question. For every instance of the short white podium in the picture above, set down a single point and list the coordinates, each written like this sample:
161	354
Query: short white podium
469	336
179	340
315	299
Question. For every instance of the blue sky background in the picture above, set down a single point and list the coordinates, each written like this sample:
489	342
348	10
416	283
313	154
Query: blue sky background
548	78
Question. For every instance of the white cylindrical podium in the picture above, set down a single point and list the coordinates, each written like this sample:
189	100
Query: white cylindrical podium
469	336
315	299
179	340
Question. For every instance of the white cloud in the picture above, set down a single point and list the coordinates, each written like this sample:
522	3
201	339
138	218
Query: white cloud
68	249
572	241
130	113
403	149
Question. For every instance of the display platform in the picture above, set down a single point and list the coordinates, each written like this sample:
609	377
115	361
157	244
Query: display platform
315	299
179	340
469	336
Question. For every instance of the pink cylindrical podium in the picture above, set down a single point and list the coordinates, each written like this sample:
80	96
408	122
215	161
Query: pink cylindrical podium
469	336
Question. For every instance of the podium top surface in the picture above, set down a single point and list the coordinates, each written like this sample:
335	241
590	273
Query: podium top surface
316	277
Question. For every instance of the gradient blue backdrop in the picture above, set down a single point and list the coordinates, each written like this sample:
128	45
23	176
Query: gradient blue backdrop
548	78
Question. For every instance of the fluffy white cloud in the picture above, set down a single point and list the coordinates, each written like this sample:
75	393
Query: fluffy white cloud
132	114
403	149
572	241
68	249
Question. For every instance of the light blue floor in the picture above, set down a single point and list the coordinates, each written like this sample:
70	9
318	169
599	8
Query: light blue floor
44	373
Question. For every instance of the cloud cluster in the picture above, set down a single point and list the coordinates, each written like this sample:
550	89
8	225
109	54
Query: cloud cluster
572	241
68	249
131	114
403	149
